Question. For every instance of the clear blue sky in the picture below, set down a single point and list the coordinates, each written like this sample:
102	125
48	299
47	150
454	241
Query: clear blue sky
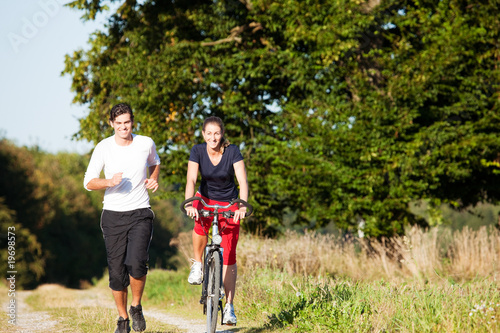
35	100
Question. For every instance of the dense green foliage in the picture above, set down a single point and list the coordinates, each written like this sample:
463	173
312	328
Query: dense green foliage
56	221
343	109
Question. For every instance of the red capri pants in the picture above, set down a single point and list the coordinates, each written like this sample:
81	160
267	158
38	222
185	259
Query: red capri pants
229	230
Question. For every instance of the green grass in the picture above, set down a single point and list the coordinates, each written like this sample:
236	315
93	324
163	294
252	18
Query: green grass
164	287
170	290
82	311
297	304
273	301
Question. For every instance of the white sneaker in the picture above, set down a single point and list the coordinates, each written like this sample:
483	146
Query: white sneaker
229	318
196	275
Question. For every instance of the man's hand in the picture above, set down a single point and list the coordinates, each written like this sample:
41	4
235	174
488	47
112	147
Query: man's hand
117	179
151	184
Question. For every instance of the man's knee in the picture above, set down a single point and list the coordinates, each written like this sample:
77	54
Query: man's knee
118	280
137	269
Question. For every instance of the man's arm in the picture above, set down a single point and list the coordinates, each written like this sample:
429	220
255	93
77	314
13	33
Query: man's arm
152	181
92	180
101	184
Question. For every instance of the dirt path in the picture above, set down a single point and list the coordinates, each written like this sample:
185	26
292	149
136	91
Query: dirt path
190	326
30	321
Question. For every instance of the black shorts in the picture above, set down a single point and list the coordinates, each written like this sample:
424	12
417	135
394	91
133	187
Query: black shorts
127	236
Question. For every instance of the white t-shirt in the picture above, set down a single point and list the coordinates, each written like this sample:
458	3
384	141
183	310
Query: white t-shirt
133	160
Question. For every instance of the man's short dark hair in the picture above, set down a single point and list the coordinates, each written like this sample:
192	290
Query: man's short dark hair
120	109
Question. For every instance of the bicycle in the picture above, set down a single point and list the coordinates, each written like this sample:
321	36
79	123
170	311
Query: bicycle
212	291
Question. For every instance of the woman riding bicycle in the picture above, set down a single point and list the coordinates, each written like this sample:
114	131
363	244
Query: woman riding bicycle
218	162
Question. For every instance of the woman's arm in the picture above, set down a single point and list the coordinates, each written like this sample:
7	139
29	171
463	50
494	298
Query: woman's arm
241	176
191	177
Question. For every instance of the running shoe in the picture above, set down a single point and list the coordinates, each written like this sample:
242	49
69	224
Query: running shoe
196	275
123	325
138	321
229	318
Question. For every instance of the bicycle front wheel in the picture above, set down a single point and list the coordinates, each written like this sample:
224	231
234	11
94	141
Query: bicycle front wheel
213	290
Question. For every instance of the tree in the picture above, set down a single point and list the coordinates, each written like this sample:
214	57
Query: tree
42	197
21	251
343	109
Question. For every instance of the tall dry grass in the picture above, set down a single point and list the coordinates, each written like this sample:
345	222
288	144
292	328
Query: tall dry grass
424	255
475	253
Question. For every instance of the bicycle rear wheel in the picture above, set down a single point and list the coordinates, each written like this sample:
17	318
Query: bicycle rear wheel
213	290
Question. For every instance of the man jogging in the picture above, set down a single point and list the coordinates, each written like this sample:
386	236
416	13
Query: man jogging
127	218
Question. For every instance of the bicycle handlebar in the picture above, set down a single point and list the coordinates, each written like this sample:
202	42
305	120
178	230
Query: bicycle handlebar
232	202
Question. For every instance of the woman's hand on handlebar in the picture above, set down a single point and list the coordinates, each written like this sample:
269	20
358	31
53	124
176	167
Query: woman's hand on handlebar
192	212
239	214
